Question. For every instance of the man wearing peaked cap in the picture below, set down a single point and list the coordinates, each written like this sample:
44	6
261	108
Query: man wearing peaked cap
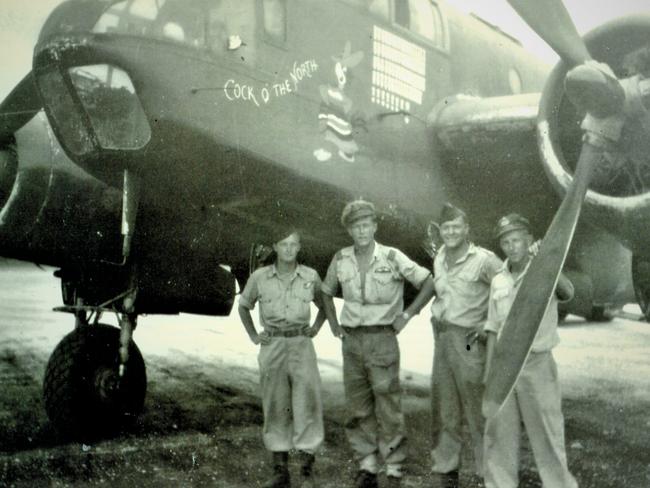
510	222
463	273
371	277
536	398
357	210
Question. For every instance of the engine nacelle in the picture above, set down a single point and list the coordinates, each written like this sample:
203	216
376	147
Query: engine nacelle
616	200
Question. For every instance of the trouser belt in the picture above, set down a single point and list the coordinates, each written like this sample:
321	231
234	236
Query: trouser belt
287	333
368	329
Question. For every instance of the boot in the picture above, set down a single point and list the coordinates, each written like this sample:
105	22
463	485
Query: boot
365	479
393	481
306	469
280	478
446	480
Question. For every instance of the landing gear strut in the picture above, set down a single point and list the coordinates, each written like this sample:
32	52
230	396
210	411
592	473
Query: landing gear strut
95	381
641	282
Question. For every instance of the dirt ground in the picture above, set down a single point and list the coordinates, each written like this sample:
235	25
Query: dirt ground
202	420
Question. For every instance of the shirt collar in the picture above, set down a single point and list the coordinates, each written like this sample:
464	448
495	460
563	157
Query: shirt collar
300	270
506	269
376	253
471	249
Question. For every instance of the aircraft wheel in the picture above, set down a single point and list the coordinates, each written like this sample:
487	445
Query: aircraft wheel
641	282
84	396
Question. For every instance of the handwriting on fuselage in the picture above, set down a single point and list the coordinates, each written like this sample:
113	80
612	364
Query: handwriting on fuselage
234	90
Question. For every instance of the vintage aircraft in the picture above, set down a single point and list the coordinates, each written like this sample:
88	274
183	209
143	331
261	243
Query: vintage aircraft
155	144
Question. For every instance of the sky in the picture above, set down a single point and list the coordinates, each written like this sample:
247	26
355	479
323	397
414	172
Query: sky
21	20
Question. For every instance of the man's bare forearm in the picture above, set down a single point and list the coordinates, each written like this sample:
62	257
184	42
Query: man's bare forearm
330	312
427	290
247	320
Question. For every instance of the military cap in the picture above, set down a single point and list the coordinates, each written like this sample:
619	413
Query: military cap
281	232
450	212
510	222
357	210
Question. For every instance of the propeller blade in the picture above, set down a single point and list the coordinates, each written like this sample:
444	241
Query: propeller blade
536	289
19	107
551	21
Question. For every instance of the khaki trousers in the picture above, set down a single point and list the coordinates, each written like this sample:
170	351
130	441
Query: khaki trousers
456	392
291	395
375	423
535	400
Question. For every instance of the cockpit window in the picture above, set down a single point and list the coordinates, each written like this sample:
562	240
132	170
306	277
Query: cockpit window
422	17
174	20
219	25
110	100
275	19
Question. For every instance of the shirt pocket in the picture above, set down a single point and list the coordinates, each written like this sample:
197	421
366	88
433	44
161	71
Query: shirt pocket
384	285
470	274
271	300
305	291
347	277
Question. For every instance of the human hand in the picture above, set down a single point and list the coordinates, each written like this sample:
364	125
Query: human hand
337	330
476	335
262	338
400	322
534	247
312	331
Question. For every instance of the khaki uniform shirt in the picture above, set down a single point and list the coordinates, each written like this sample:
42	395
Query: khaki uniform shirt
462	290
381	300
503	290
283	305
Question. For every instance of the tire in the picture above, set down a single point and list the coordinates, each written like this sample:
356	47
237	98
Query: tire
80	389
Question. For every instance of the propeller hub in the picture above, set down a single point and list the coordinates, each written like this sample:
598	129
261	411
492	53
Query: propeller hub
593	87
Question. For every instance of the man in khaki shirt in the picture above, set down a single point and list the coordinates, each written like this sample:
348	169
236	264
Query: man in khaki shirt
462	276
371	277
536	399
289	378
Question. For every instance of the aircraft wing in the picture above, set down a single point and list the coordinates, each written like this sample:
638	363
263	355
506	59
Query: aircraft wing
490	128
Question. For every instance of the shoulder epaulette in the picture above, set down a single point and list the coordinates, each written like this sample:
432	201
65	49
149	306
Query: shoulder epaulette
391	255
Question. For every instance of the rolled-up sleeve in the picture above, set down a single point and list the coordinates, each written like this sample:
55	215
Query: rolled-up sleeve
493	322
490	267
330	284
249	296
411	270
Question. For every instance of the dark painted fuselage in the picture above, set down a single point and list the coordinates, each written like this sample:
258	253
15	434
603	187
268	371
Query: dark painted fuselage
257	119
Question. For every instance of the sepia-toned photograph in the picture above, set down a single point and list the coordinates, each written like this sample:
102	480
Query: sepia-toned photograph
325	243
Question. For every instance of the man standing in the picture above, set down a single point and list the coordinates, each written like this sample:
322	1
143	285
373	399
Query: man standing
372	277
536	398
289	375
463	273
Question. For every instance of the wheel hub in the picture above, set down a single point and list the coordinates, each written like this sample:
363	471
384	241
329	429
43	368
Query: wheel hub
107	384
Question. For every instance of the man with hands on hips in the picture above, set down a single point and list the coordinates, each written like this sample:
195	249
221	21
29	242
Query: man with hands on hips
371	277
289	377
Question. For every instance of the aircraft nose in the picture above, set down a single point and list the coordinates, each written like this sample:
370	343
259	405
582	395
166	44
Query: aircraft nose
93	108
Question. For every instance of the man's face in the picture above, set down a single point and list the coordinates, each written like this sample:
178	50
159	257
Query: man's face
363	231
287	249
515	245
454	232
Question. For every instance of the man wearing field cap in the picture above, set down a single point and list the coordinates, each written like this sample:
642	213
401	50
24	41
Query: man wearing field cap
289	378
463	272
371	277
536	398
